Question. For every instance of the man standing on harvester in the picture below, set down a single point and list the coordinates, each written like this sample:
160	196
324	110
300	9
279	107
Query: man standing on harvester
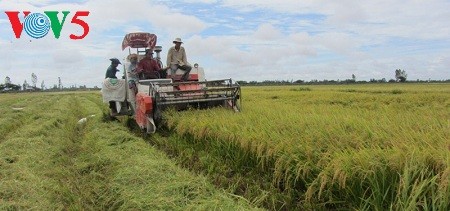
111	73
176	59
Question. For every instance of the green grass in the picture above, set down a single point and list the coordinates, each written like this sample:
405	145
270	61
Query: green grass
49	162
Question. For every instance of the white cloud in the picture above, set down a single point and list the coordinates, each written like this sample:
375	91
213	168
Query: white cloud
294	6
201	1
151	16
267	32
340	43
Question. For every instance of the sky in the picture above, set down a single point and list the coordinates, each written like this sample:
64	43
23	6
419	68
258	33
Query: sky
246	40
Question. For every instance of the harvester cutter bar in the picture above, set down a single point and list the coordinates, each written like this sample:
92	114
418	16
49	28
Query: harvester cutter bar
225	82
205	90
193	92
190	100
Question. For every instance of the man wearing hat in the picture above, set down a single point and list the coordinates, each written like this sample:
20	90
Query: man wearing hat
112	69
148	67
176	59
131	72
111	73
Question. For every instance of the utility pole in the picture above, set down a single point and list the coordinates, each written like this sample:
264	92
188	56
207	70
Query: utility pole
59	83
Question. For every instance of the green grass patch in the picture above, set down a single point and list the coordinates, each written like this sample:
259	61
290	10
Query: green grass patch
50	162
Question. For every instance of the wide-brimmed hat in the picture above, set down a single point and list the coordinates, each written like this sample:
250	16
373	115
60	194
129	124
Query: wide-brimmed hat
115	61
177	40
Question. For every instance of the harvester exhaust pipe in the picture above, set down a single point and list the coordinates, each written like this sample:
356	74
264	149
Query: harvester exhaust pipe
158	50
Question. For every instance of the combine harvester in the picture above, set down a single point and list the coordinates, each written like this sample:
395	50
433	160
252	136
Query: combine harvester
155	95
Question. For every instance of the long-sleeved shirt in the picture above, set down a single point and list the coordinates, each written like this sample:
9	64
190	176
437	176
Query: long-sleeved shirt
132	72
176	56
148	66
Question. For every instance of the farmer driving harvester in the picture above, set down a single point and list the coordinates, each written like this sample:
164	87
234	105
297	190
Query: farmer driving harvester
148	67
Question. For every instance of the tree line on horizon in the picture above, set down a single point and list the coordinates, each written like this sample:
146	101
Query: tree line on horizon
400	76
8	86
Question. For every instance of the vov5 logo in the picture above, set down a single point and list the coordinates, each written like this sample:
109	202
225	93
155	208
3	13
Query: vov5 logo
37	25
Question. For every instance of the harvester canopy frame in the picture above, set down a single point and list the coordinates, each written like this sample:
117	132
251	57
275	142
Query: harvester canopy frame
139	40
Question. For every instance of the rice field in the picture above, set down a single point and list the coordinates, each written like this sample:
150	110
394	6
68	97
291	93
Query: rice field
363	147
330	147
